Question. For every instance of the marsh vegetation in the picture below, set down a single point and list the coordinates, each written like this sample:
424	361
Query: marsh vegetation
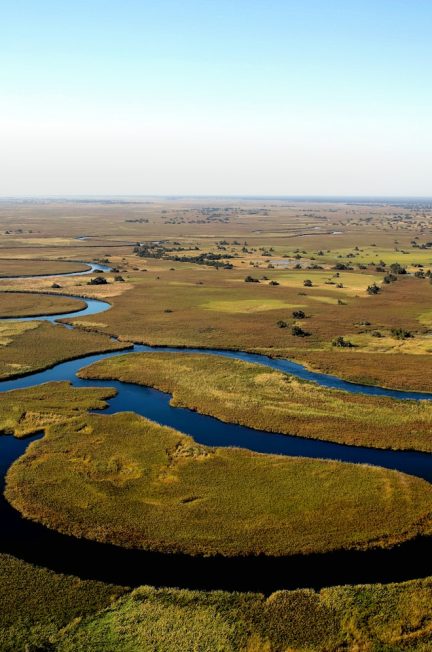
369	269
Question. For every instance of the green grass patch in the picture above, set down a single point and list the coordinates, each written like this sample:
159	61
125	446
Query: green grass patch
37	604
249	305
365	618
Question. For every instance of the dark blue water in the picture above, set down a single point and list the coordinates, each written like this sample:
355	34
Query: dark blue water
154	405
40	545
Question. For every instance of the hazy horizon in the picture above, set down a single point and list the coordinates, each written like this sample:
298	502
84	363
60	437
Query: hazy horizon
285	98
172	196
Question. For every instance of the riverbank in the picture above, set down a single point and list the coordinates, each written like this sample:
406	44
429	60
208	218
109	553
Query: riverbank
254	396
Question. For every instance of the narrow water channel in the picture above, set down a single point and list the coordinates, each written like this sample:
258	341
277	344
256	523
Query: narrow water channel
87	559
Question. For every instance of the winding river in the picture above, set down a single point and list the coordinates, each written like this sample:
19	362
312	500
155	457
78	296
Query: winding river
87	559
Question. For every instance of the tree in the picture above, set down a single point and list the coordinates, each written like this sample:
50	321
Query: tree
298	314
307	283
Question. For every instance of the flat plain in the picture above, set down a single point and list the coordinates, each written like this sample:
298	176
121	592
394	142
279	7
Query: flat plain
343	288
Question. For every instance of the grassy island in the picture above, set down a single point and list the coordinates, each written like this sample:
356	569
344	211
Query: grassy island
31	346
258	397
23	304
127	480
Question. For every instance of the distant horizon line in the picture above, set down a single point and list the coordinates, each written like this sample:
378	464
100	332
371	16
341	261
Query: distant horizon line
171	196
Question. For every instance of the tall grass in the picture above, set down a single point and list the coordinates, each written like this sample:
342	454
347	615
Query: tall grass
251	394
124	479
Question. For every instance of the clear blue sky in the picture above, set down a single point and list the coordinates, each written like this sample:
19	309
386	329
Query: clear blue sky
229	97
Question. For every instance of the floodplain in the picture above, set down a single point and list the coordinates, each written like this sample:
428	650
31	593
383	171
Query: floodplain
343	288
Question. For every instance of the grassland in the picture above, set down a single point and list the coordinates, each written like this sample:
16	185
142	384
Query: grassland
255	396
28	267
176	305
26	411
217	309
38	606
375	618
26	348
93	616
21	304
124	479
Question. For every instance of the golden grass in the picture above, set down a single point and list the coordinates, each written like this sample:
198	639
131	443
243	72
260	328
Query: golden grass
37	605
21	304
124	479
9	330
26	267
255	396
26	411
376	618
353	283
41	345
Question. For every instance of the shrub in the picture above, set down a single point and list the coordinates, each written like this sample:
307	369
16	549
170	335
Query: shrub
307	283
298	332
373	289
298	314
281	324
342	266
342	343
396	268
98	280
401	333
